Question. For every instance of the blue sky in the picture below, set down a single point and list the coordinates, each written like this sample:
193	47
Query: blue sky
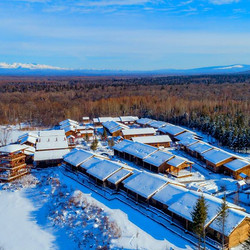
125	34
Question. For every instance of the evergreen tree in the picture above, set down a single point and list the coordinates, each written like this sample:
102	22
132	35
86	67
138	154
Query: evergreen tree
222	218
94	144
199	216
87	137
104	134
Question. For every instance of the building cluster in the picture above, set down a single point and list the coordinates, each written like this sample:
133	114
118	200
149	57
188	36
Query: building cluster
216	159
161	192
151	158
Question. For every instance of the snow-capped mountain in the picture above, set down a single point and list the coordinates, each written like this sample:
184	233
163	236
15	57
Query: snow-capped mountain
42	69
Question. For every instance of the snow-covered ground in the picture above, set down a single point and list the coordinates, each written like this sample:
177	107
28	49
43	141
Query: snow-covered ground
48	210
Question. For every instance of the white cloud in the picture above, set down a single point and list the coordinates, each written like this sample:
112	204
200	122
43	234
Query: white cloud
220	2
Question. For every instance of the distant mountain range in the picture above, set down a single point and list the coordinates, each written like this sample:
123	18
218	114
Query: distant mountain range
30	69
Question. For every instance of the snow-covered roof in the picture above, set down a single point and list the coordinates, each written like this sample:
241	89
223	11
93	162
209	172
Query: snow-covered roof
53	139
87	131
172	129
216	156
50	154
85	118
177	161
29	134
128	118
157	124
234	218
68	121
184	205
12	148
29	150
237	164
185	135
28	138
145	184
90	163
138	131
104	119
170	194
122	145
47	133
139	150
200	147
119	176
158	157
113	126
78	157
152	139
188	141
104	169
144	121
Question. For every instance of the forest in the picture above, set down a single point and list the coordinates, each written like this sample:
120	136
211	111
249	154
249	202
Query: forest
217	105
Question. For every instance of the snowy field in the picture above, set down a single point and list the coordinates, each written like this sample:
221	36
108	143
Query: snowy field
47	210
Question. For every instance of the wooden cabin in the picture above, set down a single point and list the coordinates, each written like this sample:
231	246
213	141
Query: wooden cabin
119	148
86	120
142	186
12	162
198	149
114	128
236	167
137	132
171	130
157	162
128	120
115	180
175	164
76	157
51	146
137	152
144	122
155	141
215	159
102	170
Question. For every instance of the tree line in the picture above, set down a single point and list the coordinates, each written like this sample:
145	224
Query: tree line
201	102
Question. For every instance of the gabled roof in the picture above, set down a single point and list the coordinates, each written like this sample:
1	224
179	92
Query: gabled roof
28	138
157	124
200	147
170	194
90	163
77	157
104	169
12	148
185	135
122	145
234	218
172	129
145	184
119	176
188	141
139	150
138	131
128	118
237	164
177	161
68	122
144	121
158	158
216	156
50	155
152	139
51	140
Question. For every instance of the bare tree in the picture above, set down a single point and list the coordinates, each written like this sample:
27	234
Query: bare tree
4	135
